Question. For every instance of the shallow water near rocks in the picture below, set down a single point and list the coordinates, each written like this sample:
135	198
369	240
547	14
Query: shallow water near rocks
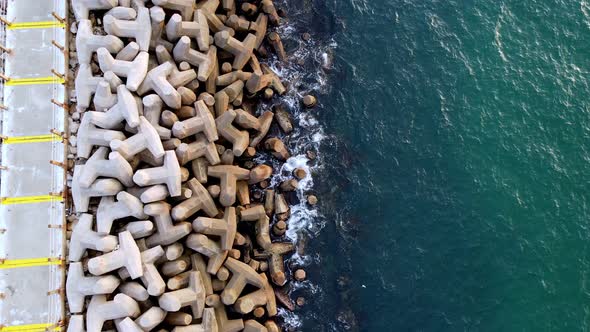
453	164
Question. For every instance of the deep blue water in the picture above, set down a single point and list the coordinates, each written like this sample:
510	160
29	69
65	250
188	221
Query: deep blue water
454	166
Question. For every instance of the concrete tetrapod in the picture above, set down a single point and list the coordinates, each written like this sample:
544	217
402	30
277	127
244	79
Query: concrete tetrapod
277	148
260	173
83	237
214	22
140	28
101	310
135	70
283	119
177	78
258	82
152	110
269	8
193	296
240	24
113	80
238	138
87	43
115	167
258	298
140	229
185	7
81	8
258	214
228	95
205	62
125	110
228	175
261	124
241	50
134	290
146	138
224	324
108	211
276	83
201	200
199	167
260	31
201	147
231	77
168	174
128	325
131	50
166	232
203	245
202	122
102	187
178	318
208	324
151	276
151	194
151	318
276	264
104	97
198	29
78	286
178	281
127	256
277	44
89	136
181	280
198	264
158	16
85	85
157	80
175	250
224	228
242	275
252	325
243	192
76	324
173	268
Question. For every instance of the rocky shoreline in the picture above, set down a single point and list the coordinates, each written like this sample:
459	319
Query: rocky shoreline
175	224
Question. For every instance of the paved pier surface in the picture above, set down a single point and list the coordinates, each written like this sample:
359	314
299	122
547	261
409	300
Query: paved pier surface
32	242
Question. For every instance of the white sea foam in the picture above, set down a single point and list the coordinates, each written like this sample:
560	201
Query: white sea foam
290	319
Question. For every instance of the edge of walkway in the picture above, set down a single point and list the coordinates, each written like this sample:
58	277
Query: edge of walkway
33	164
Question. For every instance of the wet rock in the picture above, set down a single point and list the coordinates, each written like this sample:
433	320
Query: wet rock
300	301
299	275
289	185
279	228
309	101
277	148
299	173
260	173
268	93
283	119
284	300
312	200
277	44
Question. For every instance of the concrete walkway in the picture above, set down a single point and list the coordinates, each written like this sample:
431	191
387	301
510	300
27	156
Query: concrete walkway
32	223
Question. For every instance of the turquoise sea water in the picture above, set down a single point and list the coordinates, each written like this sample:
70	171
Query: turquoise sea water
454	171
